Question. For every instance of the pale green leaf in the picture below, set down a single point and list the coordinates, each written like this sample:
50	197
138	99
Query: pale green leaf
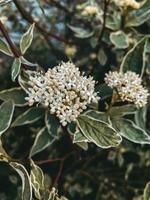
5	48
138	16
42	141
26	183
146	195
119	39
30	116
26	39
53	125
81	32
113	22
123	110
80	140
28	63
140	117
101	116
98	132
15	70
127	129
17	95
6	114
134	60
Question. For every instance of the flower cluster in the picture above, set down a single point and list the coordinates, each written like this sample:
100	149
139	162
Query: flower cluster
128	86
90	11
128	3
64	90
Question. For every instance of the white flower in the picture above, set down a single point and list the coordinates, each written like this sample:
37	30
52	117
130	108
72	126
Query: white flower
129	3
64	90
90	11
128	86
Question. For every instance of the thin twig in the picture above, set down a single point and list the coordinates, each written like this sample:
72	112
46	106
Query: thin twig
26	15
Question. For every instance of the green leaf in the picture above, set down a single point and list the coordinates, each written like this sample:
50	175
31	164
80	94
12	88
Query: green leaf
139	16
81	32
146	195
123	110
113	21
37	180
134	60
119	39
17	95
53	125
42	141
98	115
102	57
80	140
28	63
5	48
104	90
26	39
23	82
6	114
140	117
98	132
15	70
127	129
30	116
26	183
3	155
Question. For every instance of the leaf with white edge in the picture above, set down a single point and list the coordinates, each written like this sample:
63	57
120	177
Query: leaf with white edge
113	22
26	62
37	180
15	70
6	114
53	125
127	129
98	132
26	39
104	91
123	110
134	60
5	48
146	195
139	16
98	115
140	117
80	140
42	141
17	95
23	82
81	32
119	39
30	116
26	183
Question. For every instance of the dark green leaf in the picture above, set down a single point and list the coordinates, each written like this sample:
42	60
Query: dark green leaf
140	117
17	95
26	183
42	141
98	115
135	59
5	48
30	116
98	132
123	110
6	114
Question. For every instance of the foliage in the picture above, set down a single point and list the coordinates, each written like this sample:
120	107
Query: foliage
100	154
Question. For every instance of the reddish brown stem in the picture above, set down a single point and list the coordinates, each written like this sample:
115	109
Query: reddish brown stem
9	41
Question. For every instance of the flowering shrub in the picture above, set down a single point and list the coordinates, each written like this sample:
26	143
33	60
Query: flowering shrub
80	105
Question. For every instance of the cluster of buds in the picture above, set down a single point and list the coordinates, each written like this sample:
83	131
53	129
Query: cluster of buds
90	11
64	90
129	87
128	3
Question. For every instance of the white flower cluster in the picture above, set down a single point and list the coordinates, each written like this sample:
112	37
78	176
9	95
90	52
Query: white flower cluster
90	11
128	3
128	86
64	90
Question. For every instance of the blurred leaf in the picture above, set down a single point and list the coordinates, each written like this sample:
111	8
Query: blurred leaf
42	141
26	39
15	70
17	95
5	48
146	195
53	125
6	114
26	62
98	132
113	22
123	110
119	39
102	58
81	32
130	131
37	180
30	116
26	183
138	16
3	155
134	60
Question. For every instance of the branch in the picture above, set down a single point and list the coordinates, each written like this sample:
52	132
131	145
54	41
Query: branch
12	46
26	15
